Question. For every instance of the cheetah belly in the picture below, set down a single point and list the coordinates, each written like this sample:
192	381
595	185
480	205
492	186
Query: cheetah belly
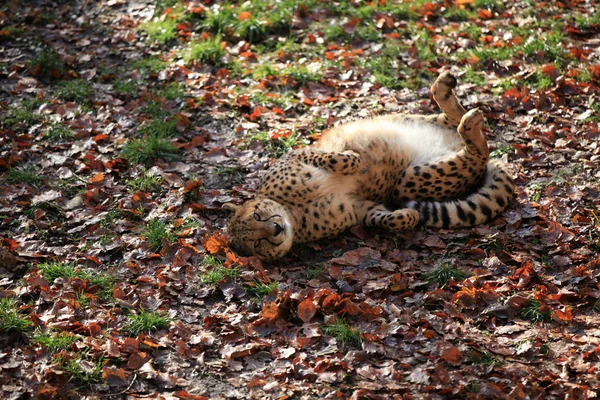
408	141
328	208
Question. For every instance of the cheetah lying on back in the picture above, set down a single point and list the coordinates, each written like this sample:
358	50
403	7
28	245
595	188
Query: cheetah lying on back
397	171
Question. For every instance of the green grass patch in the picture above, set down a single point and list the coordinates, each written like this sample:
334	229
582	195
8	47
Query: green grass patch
150	65
82	371
314	272
160	128
155	109
277	147
78	90
533	313
58	132
56	269
209	51
150	148
156	231
11	319
145	182
262	71
216	271
173	91
455	14
160	30
343	333
145	322
110	218
585	23
501	150
442	275
260	290
102	282
122	86
302	74
471	76
28	175
55	341
220	20
22	116
46	63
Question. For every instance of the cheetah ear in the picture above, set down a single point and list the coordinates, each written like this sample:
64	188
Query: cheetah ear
230	207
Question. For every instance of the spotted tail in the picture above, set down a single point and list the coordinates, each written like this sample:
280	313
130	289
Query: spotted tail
485	204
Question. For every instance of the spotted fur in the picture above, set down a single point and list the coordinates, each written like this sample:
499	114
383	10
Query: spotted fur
397	171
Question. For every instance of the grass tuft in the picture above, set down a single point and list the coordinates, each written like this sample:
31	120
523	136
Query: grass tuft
442	275
145	182
209	51
156	231
260	290
159	30
78	90
58	132
47	62
23	175
217	271
145	322
532	312
53	270
343	333
55	341
11	319
149	149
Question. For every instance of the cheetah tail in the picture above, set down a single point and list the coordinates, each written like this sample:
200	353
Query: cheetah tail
485	204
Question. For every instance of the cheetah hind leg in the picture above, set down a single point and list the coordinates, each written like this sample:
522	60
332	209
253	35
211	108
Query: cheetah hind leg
444	95
372	214
452	177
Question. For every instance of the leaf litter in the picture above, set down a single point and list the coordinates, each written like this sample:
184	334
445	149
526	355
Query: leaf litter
505	310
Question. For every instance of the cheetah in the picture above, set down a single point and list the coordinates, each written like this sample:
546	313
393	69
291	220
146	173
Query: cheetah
397	171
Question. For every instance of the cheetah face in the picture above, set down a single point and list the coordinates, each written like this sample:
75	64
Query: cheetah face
262	228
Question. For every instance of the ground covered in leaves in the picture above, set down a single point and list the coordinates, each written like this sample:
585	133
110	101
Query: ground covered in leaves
125	125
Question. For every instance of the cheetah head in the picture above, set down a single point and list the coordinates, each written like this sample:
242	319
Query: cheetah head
260	227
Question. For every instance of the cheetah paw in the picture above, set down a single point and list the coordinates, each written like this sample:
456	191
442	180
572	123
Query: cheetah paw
471	123
443	85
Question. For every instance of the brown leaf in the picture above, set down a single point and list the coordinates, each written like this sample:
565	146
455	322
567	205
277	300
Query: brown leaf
137	359
270	313
451	355
307	309
115	376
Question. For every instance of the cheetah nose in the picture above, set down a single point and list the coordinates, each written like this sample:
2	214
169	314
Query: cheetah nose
278	229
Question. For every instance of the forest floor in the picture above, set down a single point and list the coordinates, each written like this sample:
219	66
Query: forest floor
125	125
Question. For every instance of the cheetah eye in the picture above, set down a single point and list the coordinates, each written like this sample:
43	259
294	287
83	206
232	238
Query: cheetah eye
256	243
257	216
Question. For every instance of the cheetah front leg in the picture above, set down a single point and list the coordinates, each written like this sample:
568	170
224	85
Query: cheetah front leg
452	177
347	162
444	95
370	213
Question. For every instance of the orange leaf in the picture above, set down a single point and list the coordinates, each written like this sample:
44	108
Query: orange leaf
244	15
451	354
462	2
307	309
467	296
485	14
95	260
100	137
566	315
215	243
97	178
331	300
10	243
270	312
